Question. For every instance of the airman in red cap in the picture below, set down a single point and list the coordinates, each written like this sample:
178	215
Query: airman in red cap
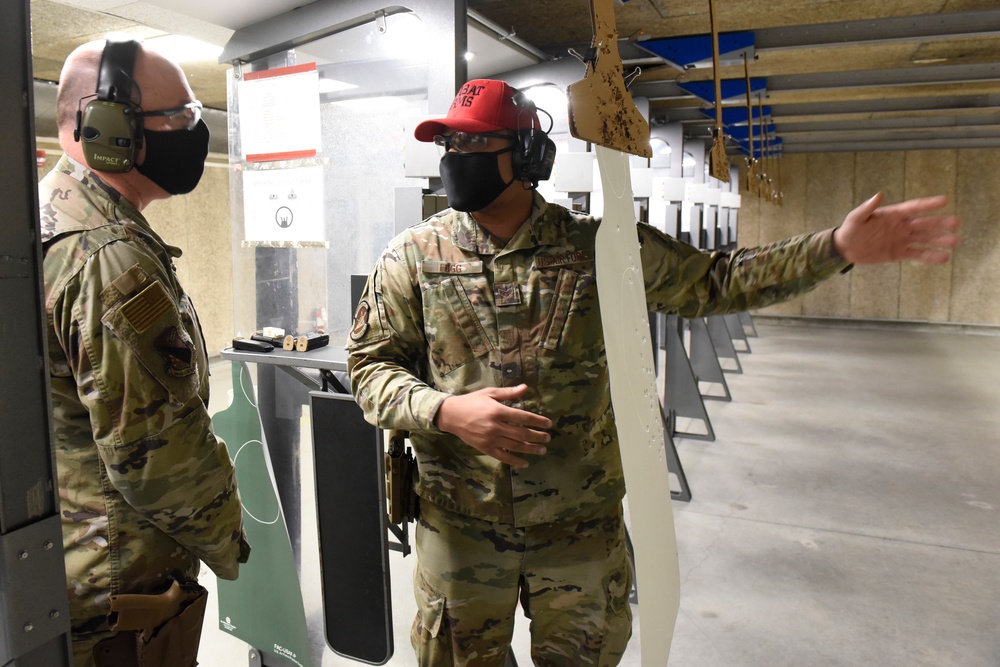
479	333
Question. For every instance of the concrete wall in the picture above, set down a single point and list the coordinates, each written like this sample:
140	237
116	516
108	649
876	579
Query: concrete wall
199	224
821	188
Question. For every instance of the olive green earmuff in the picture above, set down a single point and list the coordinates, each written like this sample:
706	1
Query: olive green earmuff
110	126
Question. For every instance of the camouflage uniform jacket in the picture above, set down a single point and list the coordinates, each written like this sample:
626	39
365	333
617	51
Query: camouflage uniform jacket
449	310
146	489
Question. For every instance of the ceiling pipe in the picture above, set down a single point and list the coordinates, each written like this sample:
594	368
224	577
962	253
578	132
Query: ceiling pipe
507	35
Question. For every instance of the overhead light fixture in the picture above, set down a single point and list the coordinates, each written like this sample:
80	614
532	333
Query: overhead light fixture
404	37
660	146
546	96
183	49
469	55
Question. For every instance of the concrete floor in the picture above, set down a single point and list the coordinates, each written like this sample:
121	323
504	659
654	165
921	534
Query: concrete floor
845	515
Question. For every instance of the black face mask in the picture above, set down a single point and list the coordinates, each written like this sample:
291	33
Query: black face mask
175	159
472	180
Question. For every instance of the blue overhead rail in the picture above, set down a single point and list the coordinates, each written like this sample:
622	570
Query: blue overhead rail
730	88
684	52
741	134
738	115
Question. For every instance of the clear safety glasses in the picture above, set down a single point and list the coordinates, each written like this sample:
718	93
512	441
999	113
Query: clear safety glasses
464	142
179	118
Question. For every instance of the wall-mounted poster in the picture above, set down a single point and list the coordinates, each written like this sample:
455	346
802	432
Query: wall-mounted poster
284	207
279	113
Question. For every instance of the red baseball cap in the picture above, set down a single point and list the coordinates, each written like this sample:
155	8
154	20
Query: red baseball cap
482	105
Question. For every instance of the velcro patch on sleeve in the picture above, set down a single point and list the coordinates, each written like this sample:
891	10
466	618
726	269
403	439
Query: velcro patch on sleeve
149	329
361	315
131	280
143	310
124	286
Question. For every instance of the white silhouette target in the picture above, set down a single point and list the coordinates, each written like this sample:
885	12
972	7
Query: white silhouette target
638	419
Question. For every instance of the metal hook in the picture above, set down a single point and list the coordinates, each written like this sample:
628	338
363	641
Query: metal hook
585	59
629	78
589	58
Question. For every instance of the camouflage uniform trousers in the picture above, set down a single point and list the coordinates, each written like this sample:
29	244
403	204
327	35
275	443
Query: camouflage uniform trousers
573	579
83	648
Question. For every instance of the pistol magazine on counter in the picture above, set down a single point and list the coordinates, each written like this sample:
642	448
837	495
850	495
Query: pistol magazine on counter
252	345
305	342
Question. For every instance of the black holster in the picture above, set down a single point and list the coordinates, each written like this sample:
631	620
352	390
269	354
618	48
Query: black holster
155	630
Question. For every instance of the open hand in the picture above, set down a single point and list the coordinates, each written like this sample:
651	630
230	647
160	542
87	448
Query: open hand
871	234
483	422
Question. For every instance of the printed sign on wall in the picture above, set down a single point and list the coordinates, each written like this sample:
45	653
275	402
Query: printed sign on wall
284	207
279	113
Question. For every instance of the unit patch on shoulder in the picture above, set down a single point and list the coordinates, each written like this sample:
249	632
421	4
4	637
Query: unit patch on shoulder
360	327
177	355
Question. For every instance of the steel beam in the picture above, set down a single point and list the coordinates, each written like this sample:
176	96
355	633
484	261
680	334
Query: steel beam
34	616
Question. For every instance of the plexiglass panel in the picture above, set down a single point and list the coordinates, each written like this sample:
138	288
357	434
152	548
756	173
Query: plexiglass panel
371	79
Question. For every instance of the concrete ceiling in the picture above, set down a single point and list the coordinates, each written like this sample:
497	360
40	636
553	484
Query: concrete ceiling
838	75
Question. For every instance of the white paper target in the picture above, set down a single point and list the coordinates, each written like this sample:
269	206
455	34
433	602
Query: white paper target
637	410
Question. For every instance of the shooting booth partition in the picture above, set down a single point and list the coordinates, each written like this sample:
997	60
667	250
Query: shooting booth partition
321	99
34	611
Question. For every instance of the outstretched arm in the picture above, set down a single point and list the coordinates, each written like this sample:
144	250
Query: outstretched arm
871	233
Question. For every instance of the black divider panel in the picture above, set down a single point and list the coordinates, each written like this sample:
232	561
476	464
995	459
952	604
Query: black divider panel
350	499
358	283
